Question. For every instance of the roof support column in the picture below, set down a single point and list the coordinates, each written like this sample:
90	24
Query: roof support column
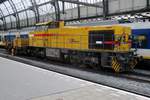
81	3
147	3
16	15
10	16
3	19
57	9
27	18
105	8
79	15
36	11
63	7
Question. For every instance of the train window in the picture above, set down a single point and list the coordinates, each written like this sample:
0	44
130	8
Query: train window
101	39
41	28
24	36
53	25
140	41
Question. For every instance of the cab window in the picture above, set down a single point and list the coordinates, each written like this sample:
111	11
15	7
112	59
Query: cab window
41	28
53	25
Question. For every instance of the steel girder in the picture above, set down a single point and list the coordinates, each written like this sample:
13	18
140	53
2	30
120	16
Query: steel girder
1	1
63	7
105	5
147	3
3	19
2	16
82	3
35	10
71	1
16	15
79	14
27	18
30	8
113	14
57	9
78	6
7	16
56	3
105	8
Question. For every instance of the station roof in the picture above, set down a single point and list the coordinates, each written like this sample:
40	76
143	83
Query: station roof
27	13
1	1
12	11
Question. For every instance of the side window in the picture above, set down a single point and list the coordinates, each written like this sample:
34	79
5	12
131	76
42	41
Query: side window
101	39
40	28
141	41
44	27
53	25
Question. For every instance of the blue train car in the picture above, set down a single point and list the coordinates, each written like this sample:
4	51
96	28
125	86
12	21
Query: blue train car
145	44
10	36
141	29
7	37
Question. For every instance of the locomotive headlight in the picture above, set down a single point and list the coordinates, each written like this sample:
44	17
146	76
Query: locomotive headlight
31	35
99	42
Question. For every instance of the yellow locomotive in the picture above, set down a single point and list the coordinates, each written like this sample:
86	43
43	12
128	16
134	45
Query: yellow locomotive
95	46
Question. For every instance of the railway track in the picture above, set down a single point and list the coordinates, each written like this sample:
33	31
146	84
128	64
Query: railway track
141	72
140	78
137	75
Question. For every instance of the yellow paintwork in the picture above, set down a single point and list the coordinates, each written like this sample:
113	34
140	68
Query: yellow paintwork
44	23
18	42
2	43
146	57
73	37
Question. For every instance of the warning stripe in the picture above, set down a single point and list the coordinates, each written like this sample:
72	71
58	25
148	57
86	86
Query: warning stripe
115	65
118	68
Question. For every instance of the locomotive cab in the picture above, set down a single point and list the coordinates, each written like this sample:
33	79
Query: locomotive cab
115	44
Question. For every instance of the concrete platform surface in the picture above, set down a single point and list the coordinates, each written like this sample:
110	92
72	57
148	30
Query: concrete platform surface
93	92
24	82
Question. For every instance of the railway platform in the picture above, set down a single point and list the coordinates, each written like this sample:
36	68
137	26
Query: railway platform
20	81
